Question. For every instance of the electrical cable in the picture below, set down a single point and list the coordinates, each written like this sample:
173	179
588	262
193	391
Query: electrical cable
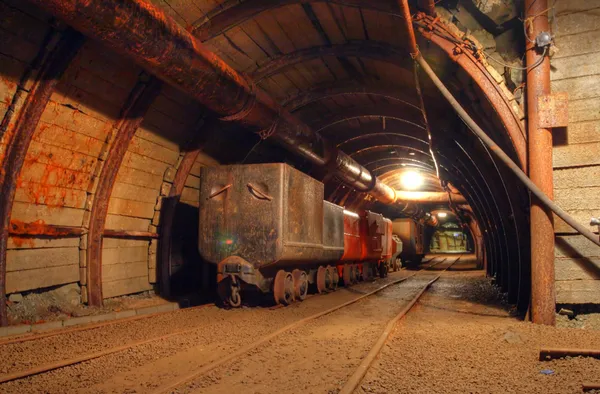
503	156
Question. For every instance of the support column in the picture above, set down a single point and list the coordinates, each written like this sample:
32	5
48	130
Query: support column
543	295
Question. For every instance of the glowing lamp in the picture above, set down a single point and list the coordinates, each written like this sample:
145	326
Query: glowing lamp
442	214
411	180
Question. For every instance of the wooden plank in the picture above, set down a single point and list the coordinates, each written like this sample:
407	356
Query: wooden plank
134	193
103	89
136	209
582	216
119	222
575	66
51	134
59	216
576	155
190	194
110	243
37	193
578	87
88	103
582	268
568	178
271	26
76	121
578	22
329	23
59	157
122	255
571	6
135	177
108	65
22	24
51	175
150	149
29	259
192	182
575	246
144	163
188	10
576	44
17	281
578	198
124	271
125	286
578	292
12	71
15	242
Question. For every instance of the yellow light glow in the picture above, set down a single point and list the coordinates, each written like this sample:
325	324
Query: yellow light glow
442	214
411	180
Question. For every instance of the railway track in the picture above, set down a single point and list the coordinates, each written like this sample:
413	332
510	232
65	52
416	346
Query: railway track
41	369
181	382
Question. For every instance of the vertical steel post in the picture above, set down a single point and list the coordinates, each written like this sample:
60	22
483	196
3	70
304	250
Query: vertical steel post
543	296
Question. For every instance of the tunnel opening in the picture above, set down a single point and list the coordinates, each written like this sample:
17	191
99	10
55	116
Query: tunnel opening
353	84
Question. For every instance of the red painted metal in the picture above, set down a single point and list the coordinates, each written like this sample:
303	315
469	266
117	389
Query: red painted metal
53	61
543	296
372	231
132	114
352	241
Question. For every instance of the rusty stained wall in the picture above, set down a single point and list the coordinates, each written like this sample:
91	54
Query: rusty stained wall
576	70
74	132
145	176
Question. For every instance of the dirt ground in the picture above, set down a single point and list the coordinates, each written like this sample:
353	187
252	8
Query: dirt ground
65	301
453	342
461	338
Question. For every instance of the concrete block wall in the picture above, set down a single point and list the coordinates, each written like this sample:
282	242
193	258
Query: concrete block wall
576	161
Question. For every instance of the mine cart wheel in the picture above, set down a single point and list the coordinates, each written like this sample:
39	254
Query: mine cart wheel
383	270
229	293
336	278
354	273
283	288
358	274
330	278
300	284
347	275
321	280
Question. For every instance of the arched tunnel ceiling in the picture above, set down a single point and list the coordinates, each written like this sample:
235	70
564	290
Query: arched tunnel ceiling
342	67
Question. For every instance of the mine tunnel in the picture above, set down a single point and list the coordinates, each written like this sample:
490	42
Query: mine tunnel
216	195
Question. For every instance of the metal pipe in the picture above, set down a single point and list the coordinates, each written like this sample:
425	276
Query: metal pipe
141	31
429	197
543	294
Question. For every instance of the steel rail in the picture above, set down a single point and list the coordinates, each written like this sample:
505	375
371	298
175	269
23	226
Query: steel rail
354	381
169	387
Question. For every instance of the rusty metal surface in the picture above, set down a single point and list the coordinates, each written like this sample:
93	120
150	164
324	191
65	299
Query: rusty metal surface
553	110
40	229
483	79
132	114
55	62
143	32
270	215
372	233
352	242
543	295
108	233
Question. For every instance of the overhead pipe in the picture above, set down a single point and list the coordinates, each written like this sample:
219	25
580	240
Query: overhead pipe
142	32
429	197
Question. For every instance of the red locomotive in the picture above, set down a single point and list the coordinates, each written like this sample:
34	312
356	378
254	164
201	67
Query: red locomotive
267	227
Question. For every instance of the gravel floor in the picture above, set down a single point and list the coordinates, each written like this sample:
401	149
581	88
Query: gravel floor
218	332
460	338
453	342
